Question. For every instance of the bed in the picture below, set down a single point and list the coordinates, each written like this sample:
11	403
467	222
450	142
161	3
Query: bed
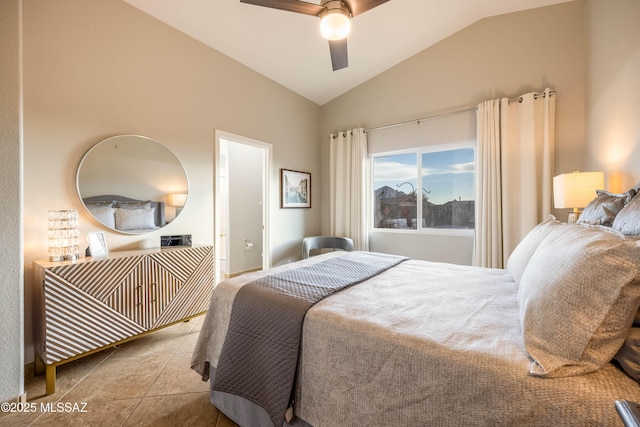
550	340
126	214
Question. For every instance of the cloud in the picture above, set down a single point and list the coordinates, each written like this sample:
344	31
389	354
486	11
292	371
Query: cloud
394	171
468	167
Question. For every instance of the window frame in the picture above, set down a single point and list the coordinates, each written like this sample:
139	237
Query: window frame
472	143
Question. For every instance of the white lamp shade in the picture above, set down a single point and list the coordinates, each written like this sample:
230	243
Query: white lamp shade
335	25
576	189
177	199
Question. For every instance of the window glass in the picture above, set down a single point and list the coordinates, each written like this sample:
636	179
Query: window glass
395	193
448	188
445	190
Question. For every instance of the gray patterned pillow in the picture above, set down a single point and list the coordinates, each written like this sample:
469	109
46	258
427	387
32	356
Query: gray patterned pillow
521	255
628	219
133	205
603	209
134	219
629	355
578	297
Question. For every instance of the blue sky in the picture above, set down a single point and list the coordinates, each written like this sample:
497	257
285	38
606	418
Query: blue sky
448	174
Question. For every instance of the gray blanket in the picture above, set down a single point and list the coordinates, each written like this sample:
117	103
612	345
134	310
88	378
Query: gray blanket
260	353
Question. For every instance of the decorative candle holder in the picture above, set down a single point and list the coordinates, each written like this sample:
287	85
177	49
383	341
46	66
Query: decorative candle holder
64	233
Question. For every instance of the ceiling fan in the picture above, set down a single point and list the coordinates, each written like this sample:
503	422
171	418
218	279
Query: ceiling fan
335	20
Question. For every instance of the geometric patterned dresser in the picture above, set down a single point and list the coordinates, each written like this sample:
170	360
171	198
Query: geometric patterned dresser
91	304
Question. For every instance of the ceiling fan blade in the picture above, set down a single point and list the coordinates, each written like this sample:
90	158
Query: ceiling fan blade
361	6
289	5
338	49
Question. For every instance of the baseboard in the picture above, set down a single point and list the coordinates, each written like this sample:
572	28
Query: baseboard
229	276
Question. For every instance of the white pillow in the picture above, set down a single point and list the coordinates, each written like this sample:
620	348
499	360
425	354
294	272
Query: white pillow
135	219
578	298
521	255
104	214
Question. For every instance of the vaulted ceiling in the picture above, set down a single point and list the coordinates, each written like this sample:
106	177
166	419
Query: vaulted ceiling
288	48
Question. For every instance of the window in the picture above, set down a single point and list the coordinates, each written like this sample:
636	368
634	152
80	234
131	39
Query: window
435	184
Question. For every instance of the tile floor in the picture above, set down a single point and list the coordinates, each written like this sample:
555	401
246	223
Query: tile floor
145	382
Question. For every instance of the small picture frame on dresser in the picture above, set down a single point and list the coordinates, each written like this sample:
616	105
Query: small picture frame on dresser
97	244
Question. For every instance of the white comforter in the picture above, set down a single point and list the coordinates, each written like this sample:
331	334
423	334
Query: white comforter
425	344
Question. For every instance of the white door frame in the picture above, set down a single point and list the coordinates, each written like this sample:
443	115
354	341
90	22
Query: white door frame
266	205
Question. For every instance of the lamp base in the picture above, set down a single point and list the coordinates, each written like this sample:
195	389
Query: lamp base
573	217
73	257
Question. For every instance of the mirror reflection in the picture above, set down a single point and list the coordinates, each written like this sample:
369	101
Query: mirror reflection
131	184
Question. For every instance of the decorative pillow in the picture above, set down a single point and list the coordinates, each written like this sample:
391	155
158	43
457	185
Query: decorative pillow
603	209
628	219
133	205
97	204
629	355
578	297
521	255
135	219
103	213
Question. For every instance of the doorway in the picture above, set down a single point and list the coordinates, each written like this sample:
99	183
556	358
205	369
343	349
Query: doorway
241	223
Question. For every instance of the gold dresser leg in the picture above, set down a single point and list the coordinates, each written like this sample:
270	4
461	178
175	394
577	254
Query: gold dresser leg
50	378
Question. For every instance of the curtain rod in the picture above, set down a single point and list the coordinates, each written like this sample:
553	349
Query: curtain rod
449	113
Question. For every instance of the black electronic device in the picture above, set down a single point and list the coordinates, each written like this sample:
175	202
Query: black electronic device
172	241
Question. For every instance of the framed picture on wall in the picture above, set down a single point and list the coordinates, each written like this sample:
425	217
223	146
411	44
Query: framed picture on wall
97	244
295	189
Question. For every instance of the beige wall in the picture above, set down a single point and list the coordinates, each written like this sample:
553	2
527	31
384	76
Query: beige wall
94	69
11	247
505	55
613	91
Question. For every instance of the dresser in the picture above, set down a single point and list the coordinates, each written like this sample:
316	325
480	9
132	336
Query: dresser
91	304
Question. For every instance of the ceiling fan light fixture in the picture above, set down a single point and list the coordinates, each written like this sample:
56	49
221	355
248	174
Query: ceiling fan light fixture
335	22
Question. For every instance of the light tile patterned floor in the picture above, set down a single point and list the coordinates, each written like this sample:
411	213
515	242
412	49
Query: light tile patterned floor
145	382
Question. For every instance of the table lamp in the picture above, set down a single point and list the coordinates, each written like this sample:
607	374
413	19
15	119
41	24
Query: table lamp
575	190
177	200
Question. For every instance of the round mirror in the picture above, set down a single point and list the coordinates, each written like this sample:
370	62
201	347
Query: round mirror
131	184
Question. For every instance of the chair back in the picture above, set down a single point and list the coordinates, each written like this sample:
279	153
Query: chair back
325	242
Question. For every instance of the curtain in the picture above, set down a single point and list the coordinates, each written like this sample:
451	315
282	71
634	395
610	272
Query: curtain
514	189
347	181
488	207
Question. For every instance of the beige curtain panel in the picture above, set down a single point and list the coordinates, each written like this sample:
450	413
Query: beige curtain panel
515	140
348	184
